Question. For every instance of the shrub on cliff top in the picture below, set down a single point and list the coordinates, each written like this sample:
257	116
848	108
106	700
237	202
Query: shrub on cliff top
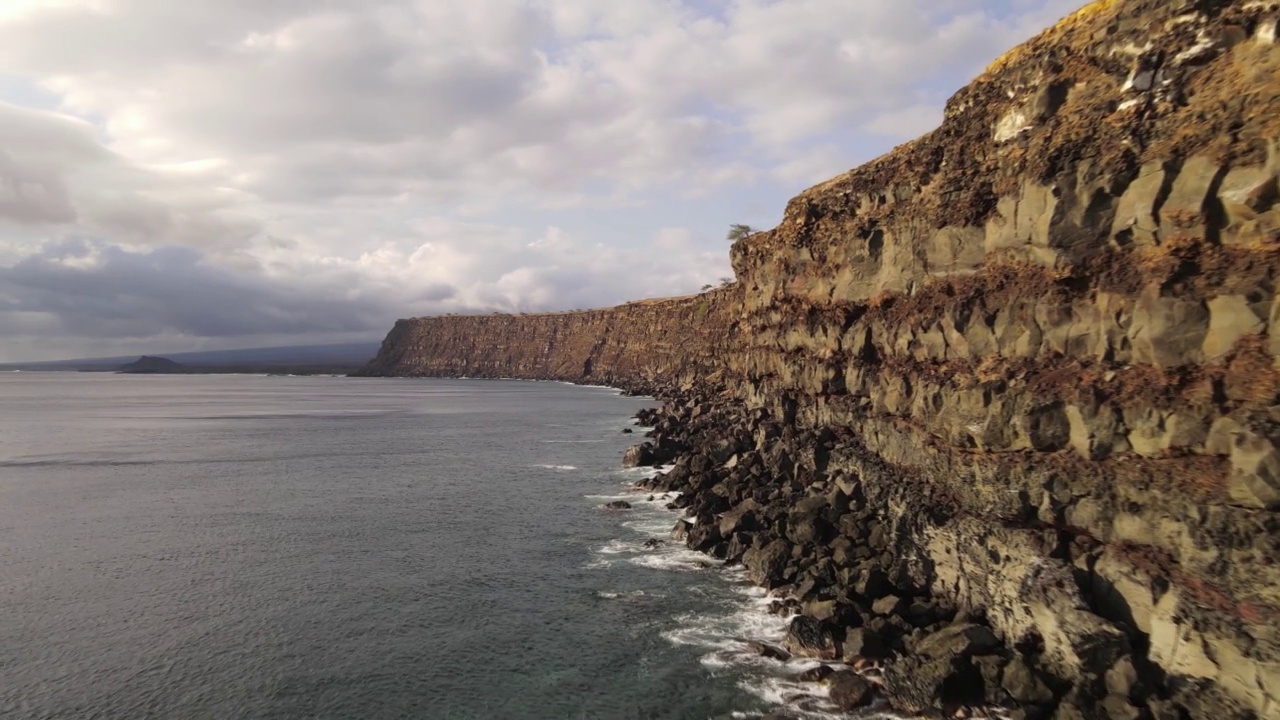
737	232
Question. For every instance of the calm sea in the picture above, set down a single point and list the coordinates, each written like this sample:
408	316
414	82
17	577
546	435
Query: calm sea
263	547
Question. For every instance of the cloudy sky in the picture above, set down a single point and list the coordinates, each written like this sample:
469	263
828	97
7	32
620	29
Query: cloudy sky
199	174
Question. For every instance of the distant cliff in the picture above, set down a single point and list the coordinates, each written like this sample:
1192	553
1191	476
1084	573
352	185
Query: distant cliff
1043	338
648	345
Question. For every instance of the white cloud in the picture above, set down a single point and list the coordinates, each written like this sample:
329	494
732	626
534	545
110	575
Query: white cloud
906	123
53	172
385	149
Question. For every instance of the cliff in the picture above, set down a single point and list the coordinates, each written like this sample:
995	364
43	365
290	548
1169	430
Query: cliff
647	346
1038	347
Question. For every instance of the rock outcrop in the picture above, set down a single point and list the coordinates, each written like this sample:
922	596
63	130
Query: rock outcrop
1038	348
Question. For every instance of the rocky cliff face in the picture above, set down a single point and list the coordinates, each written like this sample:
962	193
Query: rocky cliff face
1041	344
645	346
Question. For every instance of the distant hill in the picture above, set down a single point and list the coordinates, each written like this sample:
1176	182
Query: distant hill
148	365
339	357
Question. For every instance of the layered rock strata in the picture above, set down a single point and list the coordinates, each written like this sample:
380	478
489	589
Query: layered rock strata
645	346
1039	347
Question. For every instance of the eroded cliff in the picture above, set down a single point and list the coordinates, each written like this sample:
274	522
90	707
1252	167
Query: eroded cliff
1041	344
646	346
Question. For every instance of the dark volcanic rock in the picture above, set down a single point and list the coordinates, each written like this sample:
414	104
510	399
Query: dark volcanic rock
850	691
617	505
1024	685
642	455
764	649
960	640
808	637
681	530
767	565
862	643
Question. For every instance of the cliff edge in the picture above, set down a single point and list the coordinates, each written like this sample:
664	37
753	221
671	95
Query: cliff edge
1038	348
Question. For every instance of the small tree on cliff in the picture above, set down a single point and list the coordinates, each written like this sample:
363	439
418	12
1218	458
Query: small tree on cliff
737	232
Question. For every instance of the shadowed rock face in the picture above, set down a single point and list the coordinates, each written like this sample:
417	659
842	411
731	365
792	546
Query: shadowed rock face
1045	338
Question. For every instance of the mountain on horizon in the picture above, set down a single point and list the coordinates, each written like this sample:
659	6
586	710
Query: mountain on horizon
149	365
337	354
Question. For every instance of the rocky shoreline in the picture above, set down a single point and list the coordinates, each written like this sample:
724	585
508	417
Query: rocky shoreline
759	493
1021	374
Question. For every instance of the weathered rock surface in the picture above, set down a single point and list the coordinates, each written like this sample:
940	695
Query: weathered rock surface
1028	365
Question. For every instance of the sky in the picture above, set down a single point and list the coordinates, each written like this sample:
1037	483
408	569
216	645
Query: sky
212	174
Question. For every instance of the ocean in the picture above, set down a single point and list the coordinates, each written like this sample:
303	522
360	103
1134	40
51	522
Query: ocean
233	546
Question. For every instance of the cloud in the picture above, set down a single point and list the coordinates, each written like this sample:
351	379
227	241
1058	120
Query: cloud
442	98
98	292
523	154
906	123
54	172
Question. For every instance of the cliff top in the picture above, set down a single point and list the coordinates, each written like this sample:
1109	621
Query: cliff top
1118	84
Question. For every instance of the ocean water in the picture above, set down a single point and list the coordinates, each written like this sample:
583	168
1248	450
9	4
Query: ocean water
280	547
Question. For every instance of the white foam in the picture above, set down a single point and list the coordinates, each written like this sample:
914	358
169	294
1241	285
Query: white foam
722	638
687	561
619	547
633	595
557	467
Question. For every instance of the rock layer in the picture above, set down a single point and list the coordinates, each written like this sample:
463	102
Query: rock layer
1044	342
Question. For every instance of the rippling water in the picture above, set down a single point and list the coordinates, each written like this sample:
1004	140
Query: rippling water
240	546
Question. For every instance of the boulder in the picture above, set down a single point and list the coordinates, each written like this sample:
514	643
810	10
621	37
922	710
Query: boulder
1118	707
862	643
961	640
887	605
737	547
617	505
1122	678
740	518
850	691
681	530
806	529
767	565
930	684
872	584
922	613
820	609
768	650
808	637
703	536
1024	685
641	455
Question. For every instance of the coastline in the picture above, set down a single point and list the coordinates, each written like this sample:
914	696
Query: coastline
850	638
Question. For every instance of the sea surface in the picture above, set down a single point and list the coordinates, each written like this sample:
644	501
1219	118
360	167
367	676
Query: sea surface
227	546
